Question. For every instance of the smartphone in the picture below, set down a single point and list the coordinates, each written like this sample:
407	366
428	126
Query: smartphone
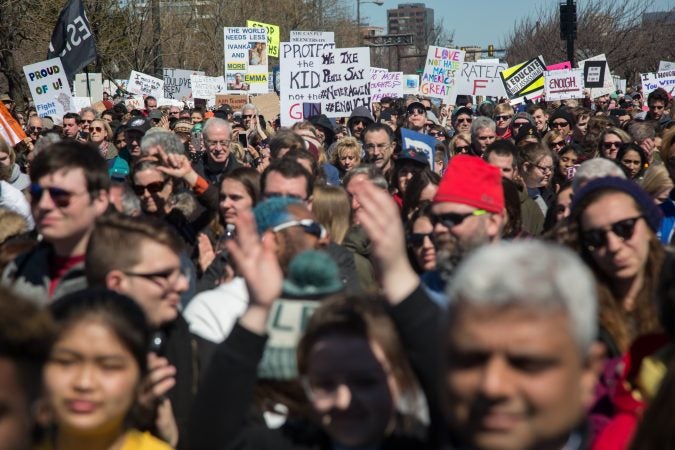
243	140
197	141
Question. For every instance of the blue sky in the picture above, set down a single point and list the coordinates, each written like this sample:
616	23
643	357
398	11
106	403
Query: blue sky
479	22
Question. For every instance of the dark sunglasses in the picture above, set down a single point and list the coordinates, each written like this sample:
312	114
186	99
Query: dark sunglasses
60	197
35	129
505	117
86	121
97	129
247	116
462	149
465	120
596	238
412	111
560	124
608	145
450	220
417	239
152	188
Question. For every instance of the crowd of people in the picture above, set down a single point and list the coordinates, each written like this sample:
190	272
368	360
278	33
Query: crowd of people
190	279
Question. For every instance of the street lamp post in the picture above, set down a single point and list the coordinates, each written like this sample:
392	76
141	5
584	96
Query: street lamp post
358	13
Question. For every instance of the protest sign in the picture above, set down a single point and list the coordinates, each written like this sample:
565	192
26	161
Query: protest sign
236	101
653	81
481	78
170	102
619	84
563	84
559	66
345	80
441	69
206	87
272	36
81	102
48	85
385	84
416	142
411	84
177	84
10	129
594	74
95	86
607	86
524	79
300	79
666	65
142	84
246	60
312	36
267	105
134	103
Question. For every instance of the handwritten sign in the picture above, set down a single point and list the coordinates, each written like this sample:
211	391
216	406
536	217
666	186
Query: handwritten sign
345	80
559	66
142	84
134	103
300	75
246	60
206	87
666	65
48	84
272	36
234	100
312	36
563	84
653	81
177	84
524	79
385	84
607	84
481	78
440	79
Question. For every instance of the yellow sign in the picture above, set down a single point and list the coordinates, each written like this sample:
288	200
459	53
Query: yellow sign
272	36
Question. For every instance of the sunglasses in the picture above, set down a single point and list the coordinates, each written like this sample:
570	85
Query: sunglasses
97	129
503	118
450	220
464	120
558	144
560	124
609	145
462	149
413	111
596	238
152	188
309	226
60	197
86	121
417	239
247	116
35	128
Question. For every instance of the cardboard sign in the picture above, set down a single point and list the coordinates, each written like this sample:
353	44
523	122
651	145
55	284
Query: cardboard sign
268	105
10	129
81	102
524	79
300	75
559	66
142	84
563	84
666	65
607	86
177	83
411	84
385	84
440	77
273	36
653	81
206	87
312	36
236	101
95	86
345	80
419	143
49	88
246	60
481	78
134	103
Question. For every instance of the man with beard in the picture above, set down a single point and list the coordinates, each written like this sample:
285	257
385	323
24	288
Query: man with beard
467	212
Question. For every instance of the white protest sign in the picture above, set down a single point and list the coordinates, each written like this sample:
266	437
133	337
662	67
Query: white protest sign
312	36
177	84
411	84
48	85
481	78
563	84
170	102
653	81
142	84
345	80
81	102
608	86
441	69
300	80
666	65
95	86
207	87
134	103
385	84
246	60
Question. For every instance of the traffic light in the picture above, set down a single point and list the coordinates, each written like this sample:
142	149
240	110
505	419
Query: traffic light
491	50
568	20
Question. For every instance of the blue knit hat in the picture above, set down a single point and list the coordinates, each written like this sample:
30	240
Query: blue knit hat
273	211
651	212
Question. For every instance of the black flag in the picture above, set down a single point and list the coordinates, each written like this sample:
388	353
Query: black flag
72	39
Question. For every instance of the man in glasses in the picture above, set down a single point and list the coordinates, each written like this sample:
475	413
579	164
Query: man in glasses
33	128
87	116
378	140
563	122
359	120
217	159
461	120
69	191
416	114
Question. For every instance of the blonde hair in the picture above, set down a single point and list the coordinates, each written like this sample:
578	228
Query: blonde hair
331	207
656	181
466	137
7	149
344	145
503	108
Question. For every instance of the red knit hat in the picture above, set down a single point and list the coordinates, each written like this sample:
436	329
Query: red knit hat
471	181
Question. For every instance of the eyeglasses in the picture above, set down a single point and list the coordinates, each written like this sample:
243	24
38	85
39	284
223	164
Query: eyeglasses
462	149
215	144
60	197
560	144
247	116
152	188
503	118
35	129
86	121
450	220
377	146
608	145
417	239
97	129
309	226
596	238
519	124
560	124
163	278
324	389
544	169
465	120
419	111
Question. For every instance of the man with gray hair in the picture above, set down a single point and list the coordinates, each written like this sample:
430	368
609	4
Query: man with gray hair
595	168
514	366
483	133
217	159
